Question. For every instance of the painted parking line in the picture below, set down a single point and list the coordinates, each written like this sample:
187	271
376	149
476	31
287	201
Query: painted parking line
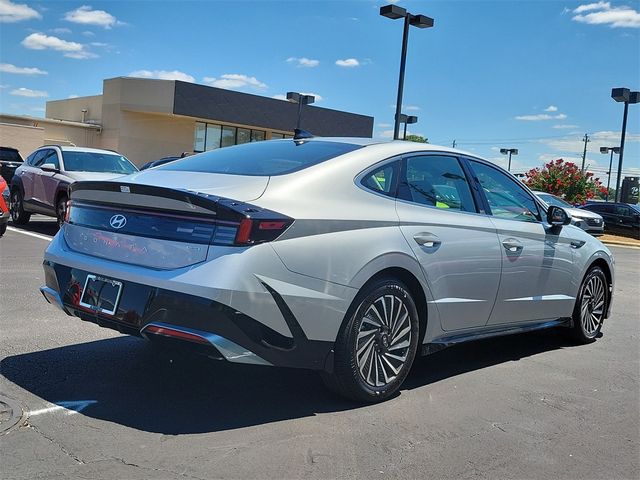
31	234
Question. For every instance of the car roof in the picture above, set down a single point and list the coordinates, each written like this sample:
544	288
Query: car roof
66	148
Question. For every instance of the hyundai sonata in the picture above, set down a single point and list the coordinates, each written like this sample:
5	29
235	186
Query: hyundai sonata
345	256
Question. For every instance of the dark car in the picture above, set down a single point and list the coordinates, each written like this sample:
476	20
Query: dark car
163	160
10	159
622	218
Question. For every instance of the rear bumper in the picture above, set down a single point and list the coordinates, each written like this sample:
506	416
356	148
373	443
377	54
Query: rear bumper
204	325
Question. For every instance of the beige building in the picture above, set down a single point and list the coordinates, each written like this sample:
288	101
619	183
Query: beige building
148	119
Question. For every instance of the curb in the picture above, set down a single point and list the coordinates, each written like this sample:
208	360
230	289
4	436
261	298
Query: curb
619	243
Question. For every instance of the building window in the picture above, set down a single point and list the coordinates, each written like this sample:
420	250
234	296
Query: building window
198	140
213	136
244	135
209	136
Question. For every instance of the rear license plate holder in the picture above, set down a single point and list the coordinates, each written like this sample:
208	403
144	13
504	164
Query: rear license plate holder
101	294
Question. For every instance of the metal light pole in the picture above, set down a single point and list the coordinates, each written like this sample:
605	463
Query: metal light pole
509	151
606	150
394	12
626	96
300	99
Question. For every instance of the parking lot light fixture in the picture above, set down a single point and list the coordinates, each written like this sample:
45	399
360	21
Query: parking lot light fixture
407	120
628	97
395	12
509	151
606	150
301	99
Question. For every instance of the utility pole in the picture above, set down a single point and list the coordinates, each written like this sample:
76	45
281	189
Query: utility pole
453	145
584	153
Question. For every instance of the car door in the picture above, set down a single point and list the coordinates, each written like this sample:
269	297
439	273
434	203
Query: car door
455	243
46	181
536	281
28	174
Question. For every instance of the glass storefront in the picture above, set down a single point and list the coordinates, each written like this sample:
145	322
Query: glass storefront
209	136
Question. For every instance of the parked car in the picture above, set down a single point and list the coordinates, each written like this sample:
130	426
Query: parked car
40	184
345	256
623	218
163	160
4	206
10	159
587	220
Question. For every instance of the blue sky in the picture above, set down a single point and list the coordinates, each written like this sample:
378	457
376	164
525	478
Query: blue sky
533	75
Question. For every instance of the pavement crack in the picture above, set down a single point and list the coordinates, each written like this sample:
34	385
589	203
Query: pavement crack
53	441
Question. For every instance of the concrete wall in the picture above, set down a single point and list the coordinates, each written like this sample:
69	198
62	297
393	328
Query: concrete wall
23	137
71	109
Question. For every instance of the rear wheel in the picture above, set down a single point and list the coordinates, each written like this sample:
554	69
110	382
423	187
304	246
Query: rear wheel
18	215
61	210
591	306
376	347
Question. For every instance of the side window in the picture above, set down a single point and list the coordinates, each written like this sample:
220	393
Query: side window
622	210
506	198
38	157
383	180
436	181
52	158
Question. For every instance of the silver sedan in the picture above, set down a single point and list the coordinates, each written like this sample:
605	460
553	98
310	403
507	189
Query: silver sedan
342	255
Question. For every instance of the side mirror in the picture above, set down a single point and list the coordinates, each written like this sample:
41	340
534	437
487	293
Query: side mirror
558	216
49	167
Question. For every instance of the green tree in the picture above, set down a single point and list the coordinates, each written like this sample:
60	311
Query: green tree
565	180
417	138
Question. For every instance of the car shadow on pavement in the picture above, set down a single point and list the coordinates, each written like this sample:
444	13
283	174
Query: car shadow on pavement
123	380
39	224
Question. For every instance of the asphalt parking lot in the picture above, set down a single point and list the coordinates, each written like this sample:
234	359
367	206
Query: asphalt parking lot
101	405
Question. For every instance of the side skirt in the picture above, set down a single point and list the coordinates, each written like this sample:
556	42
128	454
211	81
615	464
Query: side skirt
449	340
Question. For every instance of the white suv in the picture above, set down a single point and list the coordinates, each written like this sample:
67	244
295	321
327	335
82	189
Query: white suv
40	184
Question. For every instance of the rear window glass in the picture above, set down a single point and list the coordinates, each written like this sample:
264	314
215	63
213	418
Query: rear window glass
10	155
276	157
97	162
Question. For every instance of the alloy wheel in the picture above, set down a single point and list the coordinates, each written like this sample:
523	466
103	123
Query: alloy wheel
383	340
592	305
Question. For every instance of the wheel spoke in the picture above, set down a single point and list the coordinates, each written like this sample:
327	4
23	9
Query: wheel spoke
371	320
401	334
404	344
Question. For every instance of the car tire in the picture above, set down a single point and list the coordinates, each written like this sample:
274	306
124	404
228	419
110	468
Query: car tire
61	210
591	307
377	343
18	215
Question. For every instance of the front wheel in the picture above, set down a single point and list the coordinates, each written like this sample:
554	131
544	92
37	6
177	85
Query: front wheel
591	306
18	215
376	346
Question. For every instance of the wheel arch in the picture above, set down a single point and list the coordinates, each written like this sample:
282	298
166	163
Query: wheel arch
415	288
598	260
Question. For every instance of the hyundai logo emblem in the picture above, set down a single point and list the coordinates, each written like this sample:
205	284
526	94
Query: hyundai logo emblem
118	221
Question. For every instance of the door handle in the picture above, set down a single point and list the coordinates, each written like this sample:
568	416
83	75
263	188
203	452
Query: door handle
426	239
512	245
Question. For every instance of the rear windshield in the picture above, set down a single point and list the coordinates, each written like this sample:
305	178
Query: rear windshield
275	157
10	155
97	162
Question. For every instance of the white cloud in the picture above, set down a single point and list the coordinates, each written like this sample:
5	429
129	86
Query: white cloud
551	108
4	86
348	62
16	12
385	134
9	68
540	117
163	75
39	41
81	55
406	108
592	6
575	144
234	81
384	125
280	96
60	31
88	33
27	92
565	127
84	15
72	96
602	13
303	61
